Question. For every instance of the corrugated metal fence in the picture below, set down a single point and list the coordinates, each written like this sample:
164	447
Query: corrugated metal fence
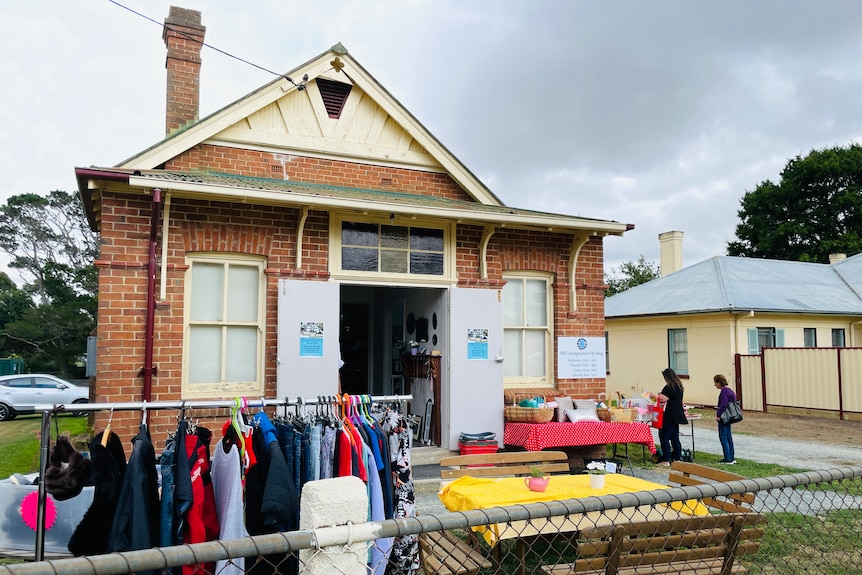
823	379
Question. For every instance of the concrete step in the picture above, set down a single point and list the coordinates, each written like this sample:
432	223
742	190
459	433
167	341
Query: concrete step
429	455
426	468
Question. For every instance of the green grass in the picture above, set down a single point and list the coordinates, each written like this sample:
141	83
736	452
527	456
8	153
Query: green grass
792	544
19	441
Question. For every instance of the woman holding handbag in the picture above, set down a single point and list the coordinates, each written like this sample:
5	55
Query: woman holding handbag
725	436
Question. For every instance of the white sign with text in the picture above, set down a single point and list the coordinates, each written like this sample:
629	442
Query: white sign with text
581	357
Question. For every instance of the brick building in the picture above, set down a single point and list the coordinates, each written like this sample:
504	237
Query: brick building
316	220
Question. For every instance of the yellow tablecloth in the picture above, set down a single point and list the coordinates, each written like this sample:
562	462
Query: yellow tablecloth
468	493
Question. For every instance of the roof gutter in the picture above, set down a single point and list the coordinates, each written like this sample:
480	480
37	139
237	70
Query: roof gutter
84	175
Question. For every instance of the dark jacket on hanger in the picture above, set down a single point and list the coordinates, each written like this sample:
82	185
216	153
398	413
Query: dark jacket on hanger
109	464
183	496
272	504
136	522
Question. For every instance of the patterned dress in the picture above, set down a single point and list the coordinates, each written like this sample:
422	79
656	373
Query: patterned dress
404	559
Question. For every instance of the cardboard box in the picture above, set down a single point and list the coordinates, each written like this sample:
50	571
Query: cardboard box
16	534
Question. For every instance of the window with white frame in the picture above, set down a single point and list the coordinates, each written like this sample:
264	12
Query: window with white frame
225	313
760	337
527	327
677	350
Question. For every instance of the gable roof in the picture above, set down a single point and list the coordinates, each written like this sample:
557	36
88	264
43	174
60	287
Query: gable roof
368	126
734	284
372	117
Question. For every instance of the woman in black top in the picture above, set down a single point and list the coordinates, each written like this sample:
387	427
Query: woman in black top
674	416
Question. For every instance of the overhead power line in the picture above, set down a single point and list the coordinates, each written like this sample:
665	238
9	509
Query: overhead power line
300	86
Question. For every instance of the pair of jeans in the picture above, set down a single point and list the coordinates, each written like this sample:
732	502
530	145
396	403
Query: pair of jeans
166	532
316	432
305	470
725	436
671	448
285	441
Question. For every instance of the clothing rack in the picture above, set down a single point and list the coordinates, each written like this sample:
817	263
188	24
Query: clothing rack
145	406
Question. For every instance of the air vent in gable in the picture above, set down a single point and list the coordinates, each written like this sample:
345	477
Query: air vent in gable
334	96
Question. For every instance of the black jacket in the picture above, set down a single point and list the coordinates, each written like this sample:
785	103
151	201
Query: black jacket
109	464
136	522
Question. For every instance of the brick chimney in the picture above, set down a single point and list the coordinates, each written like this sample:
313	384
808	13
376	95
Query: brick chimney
184	36
670	252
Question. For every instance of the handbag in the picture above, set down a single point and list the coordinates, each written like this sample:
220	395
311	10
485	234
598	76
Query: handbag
658	419
732	413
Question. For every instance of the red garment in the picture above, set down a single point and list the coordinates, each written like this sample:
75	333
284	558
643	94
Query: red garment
343	466
358	452
248	458
201	520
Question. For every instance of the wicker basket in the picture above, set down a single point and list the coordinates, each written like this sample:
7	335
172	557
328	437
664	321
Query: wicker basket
622	414
517	414
604	414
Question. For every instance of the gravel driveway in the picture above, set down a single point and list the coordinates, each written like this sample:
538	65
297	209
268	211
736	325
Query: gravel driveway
807	455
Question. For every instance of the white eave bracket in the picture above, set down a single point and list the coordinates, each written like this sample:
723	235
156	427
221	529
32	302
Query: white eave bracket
578	241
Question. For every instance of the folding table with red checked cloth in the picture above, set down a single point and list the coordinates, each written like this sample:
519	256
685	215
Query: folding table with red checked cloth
538	436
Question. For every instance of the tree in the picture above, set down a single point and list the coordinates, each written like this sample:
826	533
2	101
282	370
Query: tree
48	241
815	209
630	275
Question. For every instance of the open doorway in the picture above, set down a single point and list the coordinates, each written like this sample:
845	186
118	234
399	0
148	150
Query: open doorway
373	321
354	341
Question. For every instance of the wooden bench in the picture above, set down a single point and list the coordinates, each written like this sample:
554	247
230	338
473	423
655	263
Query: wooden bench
692	546
503	464
444	552
683	474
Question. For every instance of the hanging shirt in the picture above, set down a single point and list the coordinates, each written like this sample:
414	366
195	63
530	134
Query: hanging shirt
201	520
227	489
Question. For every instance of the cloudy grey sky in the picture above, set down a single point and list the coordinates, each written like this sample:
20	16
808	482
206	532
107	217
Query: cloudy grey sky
656	113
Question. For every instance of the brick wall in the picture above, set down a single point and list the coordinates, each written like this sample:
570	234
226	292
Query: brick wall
270	232
546	252
316	170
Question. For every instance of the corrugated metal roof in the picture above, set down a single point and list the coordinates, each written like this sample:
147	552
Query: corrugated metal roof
380	200
725	283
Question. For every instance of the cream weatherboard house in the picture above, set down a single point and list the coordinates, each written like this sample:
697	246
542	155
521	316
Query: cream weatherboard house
788	334
316	220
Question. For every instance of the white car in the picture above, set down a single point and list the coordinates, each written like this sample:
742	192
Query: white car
21	393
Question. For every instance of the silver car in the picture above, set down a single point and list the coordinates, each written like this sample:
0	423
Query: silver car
20	394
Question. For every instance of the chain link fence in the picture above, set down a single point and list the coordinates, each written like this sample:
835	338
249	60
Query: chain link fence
804	523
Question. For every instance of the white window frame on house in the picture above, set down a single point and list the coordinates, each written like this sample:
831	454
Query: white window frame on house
809	337
519	368
677	350
760	337
337	270
838	337
225	313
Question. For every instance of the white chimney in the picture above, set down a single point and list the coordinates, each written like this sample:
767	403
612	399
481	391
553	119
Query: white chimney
836	258
670	246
